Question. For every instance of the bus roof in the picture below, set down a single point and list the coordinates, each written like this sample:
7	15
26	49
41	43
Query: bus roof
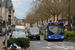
56	22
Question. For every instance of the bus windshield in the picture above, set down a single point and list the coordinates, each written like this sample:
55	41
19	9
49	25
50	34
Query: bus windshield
56	30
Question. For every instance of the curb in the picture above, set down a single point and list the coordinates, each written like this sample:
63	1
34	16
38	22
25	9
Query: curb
28	48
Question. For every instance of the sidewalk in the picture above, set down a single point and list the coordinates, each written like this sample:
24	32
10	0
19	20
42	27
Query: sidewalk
1	44
1	41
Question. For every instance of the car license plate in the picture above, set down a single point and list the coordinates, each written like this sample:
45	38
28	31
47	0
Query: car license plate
34	37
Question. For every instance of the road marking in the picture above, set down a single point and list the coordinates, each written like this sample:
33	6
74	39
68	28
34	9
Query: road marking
59	42
37	42
47	47
59	46
48	43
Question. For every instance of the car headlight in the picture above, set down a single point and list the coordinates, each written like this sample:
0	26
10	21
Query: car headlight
49	37
62	37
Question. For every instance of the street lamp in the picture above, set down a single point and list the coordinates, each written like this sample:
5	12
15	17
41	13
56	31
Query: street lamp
6	26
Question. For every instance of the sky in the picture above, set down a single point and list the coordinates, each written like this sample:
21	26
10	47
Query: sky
21	7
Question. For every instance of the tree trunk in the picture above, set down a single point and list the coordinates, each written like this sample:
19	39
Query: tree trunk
54	18
62	14
69	17
30	24
37	23
57	16
42	22
47	20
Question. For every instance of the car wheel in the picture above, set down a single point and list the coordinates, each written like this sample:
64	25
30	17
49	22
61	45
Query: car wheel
38	38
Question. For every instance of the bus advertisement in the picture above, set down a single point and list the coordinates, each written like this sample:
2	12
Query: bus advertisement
54	30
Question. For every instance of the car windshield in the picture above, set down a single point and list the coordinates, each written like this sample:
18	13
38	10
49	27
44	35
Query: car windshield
22	30
18	34
34	30
55	29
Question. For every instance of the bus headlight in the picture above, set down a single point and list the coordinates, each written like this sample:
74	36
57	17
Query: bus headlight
62	37
49	37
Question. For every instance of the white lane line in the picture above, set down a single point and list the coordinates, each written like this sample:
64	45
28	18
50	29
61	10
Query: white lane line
47	47
37	42
59	46
60	42
48	43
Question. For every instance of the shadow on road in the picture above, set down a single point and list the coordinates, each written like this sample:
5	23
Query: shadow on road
54	40
34	40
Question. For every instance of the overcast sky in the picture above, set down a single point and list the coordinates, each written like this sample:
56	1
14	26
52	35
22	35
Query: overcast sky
21	8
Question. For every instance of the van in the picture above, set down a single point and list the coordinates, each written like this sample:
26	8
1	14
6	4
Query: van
20	28
34	33
19	31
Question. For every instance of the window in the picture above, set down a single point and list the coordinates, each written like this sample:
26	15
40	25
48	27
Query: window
56	29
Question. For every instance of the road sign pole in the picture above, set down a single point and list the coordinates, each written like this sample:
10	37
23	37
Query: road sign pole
6	38
6	25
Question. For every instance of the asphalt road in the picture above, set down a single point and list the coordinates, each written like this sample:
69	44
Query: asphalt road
51	45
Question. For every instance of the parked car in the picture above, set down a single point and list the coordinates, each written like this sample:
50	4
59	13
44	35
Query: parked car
34	33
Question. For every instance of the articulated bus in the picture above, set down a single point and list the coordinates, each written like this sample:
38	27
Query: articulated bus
54	30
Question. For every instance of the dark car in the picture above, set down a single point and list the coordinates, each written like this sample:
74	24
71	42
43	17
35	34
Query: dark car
34	33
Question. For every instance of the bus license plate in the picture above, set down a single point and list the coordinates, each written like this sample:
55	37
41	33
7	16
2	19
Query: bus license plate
56	38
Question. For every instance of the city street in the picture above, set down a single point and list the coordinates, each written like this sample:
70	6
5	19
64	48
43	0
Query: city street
45	45
51	45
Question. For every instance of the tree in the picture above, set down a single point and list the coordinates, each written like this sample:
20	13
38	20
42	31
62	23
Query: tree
30	19
43	9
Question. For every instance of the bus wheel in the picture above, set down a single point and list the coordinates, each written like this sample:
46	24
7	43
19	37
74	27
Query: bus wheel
61	40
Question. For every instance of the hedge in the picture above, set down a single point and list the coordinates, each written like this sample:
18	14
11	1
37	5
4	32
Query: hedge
41	33
70	35
22	42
